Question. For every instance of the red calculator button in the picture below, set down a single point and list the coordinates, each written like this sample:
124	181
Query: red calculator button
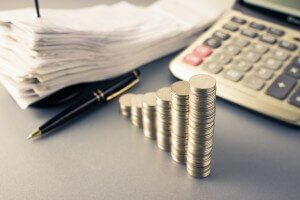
202	51
192	59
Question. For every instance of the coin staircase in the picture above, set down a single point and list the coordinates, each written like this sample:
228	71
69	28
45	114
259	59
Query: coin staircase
180	118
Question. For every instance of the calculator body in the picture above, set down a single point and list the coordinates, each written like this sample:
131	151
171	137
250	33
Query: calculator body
256	63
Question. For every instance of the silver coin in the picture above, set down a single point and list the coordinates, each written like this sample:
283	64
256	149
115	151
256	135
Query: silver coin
202	82
164	94
125	104
202	109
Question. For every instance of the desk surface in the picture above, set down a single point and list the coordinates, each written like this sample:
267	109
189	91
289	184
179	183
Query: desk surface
103	156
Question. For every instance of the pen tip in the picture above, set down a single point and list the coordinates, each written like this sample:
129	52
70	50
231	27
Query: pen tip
35	133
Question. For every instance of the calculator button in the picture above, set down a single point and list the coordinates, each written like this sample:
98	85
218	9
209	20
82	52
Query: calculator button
213	67
221	35
192	59
287	45
270	39
296	61
257	26
281	87
249	33
250	56
212	42
295	99
253	82
242	65
280	55
238	20
293	70
230	27
260	48
263	73
241	42
272	63
223	58
202	51
233	75
275	31
232	49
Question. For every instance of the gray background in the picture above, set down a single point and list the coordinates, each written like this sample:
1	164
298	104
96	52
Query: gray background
102	156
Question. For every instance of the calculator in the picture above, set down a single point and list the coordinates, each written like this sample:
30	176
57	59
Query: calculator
256	62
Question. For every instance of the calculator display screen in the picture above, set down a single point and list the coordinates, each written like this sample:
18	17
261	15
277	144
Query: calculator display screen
290	7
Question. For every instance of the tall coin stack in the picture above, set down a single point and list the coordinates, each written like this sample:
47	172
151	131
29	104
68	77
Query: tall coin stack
179	119
201	125
125	104
136	110
149	115
163	118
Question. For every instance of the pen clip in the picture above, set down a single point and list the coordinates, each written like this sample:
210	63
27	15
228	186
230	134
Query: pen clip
124	89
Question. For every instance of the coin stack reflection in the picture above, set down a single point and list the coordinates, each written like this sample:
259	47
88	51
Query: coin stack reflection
201	125
149	115
179	117
125	104
136	110
163	118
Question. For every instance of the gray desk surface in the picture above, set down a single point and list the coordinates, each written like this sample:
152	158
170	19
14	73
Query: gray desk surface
103	156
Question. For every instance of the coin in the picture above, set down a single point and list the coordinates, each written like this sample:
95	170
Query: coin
179	117
136	110
163	118
202	109
125	104
149	114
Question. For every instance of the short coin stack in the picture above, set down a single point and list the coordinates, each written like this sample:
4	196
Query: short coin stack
163	118
125	104
149	115
136	110
201	125
179	117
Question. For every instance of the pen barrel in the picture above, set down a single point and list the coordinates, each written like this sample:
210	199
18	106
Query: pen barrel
71	113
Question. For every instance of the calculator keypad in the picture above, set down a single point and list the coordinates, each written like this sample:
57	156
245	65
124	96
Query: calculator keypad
251	57
255	56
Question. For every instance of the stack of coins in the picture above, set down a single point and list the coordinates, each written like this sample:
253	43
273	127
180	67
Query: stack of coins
149	115
201	125
125	104
179	117
163	118
136	110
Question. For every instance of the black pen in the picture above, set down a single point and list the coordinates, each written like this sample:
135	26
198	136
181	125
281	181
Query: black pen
93	99
37	8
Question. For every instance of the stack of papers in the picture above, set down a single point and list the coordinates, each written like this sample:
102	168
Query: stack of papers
39	56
